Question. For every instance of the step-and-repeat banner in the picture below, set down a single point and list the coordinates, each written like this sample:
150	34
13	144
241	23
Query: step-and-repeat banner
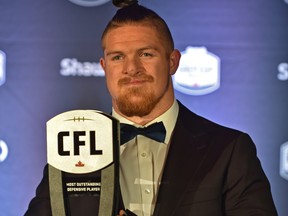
234	70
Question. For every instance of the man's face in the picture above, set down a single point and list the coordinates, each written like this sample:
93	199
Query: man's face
138	69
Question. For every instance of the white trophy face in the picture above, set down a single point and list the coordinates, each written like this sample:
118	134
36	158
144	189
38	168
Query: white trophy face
80	141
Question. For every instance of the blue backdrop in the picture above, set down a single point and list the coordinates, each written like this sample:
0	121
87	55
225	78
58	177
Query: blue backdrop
235	69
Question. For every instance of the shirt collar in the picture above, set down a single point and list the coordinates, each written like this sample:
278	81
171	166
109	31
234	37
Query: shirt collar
168	118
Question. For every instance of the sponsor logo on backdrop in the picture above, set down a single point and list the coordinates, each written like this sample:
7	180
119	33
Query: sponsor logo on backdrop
284	160
2	67
198	72
3	151
89	3
283	71
73	67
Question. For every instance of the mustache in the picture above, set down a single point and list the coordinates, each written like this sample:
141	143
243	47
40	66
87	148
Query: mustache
142	78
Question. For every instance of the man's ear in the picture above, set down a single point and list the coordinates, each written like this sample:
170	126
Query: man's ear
174	61
102	63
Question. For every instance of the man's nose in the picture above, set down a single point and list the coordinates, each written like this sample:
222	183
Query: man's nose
132	66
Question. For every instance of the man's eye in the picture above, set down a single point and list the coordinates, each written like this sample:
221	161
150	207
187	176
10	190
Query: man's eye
145	54
118	57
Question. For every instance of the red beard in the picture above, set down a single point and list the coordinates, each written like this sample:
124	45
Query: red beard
145	99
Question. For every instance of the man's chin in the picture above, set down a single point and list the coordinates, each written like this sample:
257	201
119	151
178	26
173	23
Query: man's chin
137	100
135	106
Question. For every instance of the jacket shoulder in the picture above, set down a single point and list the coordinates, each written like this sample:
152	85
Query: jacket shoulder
198	125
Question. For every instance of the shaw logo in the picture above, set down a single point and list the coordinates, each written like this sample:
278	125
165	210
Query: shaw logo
3	151
89	3
2	67
198	72
284	160
72	67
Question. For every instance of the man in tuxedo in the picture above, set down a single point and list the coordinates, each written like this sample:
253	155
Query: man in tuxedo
193	166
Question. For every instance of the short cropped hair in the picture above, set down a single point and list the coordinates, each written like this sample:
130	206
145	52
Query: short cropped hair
137	14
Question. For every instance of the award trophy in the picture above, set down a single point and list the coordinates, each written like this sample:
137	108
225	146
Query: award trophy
83	160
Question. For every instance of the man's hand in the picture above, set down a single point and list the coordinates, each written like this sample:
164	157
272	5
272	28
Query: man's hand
126	213
122	213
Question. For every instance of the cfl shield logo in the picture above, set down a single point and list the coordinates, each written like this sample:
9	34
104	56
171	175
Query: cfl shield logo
284	161
2	67
198	72
80	141
89	3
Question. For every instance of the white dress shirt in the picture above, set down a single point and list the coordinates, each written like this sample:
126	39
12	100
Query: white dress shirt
141	164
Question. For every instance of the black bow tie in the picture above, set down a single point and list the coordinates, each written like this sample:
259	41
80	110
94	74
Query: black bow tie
154	131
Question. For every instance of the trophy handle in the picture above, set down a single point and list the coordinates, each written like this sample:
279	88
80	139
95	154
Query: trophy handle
56	191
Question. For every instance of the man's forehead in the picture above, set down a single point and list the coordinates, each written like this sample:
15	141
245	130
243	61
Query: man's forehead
128	35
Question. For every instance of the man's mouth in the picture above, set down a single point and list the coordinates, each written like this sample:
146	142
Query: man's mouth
135	80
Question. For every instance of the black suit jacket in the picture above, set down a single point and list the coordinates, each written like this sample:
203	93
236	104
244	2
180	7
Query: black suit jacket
210	170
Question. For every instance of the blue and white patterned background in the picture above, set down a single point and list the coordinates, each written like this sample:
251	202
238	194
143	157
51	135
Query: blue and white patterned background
49	63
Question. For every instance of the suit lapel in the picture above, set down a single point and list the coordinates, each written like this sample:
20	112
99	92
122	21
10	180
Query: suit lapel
186	153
